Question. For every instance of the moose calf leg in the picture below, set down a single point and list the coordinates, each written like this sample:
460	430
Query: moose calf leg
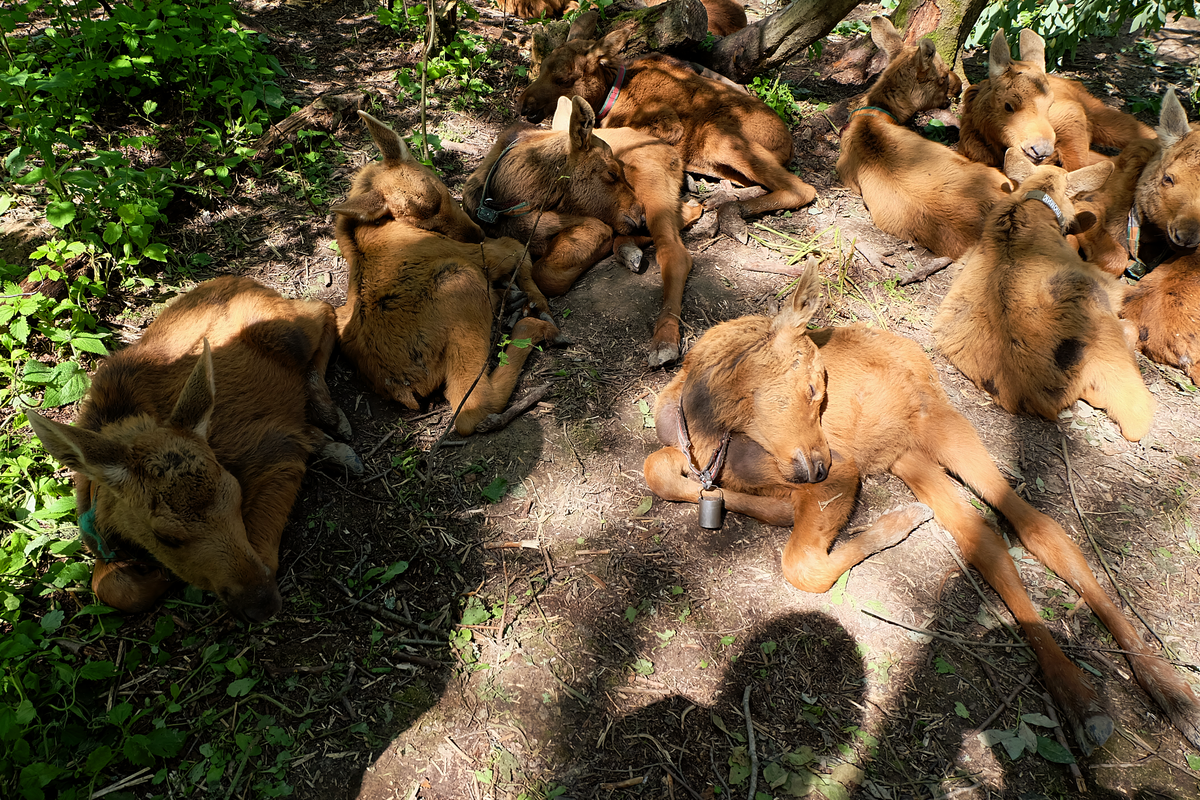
985	551
676	264
129	586
1111	380
667	475
501	257
821	509
570	254
784	190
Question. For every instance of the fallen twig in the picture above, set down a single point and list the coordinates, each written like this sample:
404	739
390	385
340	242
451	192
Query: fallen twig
494	422
750	743
532	544
1080	784
1005	703
925	270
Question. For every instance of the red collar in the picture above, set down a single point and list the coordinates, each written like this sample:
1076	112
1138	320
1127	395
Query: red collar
613	93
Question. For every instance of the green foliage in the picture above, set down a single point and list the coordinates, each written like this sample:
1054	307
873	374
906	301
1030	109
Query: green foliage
459	67
1064	24
778	95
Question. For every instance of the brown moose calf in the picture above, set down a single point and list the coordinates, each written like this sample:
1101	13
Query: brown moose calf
1162	314
915	188
807	412
419	303
1151	204
724	16
1029	321
718	130
191	444
561	190
1020	106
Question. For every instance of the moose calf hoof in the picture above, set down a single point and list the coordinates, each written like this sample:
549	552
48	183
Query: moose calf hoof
631	256
342	455
661	354
130	586
730	222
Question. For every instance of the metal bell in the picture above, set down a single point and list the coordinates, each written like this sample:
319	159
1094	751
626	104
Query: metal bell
712	509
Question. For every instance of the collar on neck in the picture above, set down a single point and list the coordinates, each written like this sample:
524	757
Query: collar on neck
876	110
613	93
707	476
489	214
91	535
1038	194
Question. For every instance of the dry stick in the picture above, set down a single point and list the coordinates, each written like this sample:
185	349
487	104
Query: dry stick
938	634
1100	555
1062	740
750	742
383	612
1005	703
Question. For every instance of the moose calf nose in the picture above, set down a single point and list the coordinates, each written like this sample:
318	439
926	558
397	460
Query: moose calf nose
258	604
822	471
1038	151
1187	234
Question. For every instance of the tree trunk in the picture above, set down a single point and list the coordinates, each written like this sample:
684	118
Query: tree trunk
772	42
946	22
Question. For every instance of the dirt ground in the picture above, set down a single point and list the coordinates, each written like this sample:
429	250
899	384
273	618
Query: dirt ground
620	654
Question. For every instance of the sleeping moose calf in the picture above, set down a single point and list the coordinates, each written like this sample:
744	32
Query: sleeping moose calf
807	412
191	445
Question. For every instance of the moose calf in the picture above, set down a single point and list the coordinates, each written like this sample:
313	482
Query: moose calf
807	412
718	130
1029	321
1041	115
915	188
724	16
419	303
191	444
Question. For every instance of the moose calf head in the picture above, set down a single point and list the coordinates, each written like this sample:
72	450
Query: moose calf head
580	67
919	77
159	486
404	189
1058	187
1021	97
1168	192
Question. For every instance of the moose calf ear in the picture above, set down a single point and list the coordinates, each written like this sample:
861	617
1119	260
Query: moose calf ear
390	145
194	408
885	36
1083	221
562	115
365	207
583	119
804	303
1172	120
81	450
1000	56
1017	165
1033	48
584	26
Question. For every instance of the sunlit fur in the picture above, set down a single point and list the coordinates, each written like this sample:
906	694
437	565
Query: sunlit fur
718	130
195	456
880	408
1030	322
724	16
419	301
1046	117
915	188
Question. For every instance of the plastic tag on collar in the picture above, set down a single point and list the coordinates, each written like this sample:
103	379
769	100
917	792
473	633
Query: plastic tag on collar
487	214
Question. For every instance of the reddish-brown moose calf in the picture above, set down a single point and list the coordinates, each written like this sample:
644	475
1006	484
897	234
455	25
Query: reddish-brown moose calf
191	444
807	412
1029	321
717	130
1151	204
561	190
1162	314
419	303
1020	106
915	188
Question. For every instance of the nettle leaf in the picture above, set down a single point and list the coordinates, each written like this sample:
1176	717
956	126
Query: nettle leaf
89	343
494	491
1040	720
241	687
53	621
60	214
475	613
155	251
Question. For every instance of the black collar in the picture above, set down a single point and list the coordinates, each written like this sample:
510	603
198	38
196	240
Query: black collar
708	475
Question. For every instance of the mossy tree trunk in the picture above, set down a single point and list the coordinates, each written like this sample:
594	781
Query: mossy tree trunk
946	22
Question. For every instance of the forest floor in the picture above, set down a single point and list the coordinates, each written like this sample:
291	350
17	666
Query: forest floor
614	658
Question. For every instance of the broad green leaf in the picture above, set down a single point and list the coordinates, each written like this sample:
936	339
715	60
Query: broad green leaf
89	343
1040	720
60	214
643	506
112	232
775	775
961	710
1053	751
241	687
53	620
98	670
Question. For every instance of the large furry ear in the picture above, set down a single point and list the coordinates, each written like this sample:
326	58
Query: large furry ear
584	26
194	408
885	36
1017	166
804	303
583	120
1000	56
365	207
1033	48
562	115
390	145
1088	179
609	48
926	54
81	450
1172	120
1083	221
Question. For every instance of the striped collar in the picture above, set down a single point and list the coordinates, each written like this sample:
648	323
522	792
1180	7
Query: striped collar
613	93
1038	194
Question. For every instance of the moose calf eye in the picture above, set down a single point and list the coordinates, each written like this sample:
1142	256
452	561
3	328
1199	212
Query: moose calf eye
1168	180
1008	107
